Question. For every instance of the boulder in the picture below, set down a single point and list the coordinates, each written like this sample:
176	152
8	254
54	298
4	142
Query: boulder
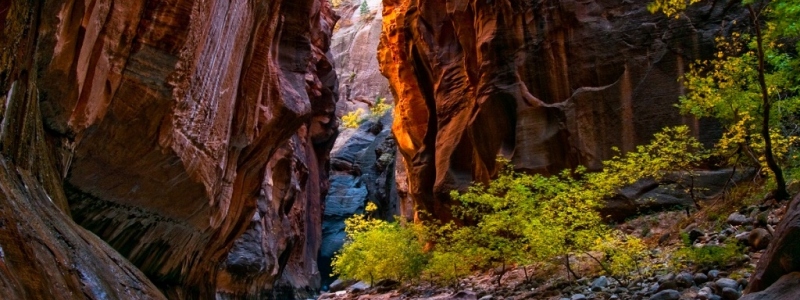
578	297
786	287
737	219
781	256
685	280
705	293
713	274
340	285
723	283
600	283
358	287
759	239
666	295
700	278
730	293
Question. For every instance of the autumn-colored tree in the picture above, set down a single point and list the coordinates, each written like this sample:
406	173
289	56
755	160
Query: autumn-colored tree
752	85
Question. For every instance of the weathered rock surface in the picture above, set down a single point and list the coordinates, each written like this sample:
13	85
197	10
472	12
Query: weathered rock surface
549	84
675	190
43	253
354	45
191	136
786	287
782	256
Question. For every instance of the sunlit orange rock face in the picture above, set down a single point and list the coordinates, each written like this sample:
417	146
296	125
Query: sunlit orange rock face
191	136
549	84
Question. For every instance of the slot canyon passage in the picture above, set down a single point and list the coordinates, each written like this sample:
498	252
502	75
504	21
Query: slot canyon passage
223	149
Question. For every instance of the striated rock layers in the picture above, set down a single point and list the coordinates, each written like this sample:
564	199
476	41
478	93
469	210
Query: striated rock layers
549	84
191	136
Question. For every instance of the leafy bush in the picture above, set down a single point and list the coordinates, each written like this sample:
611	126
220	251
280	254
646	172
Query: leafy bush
380	107
521	218
352	119
336	3
708	256
446	267
670	7
377	250
622	254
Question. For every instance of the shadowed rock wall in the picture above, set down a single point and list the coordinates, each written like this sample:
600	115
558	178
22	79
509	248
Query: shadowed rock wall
549	84
180	130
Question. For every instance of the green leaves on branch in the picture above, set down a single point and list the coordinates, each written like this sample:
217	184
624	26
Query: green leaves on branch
521	218
728	88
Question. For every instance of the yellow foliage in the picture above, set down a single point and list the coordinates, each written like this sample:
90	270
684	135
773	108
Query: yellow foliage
670	7
380	107
352	119
525	218
623	253
377	250
337	3
519	219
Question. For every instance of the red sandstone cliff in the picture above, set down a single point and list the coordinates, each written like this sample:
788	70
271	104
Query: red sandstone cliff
190	135
549	84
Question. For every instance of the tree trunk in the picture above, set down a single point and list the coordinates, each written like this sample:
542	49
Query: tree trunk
569	269
780	190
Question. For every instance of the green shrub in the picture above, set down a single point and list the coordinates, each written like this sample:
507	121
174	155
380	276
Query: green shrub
336	3
364	8
622	254
521	218
377	250
708	256
380	107
518	219
445	267
352	119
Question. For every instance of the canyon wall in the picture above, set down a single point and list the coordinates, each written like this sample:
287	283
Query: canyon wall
191	136
354	46
548	84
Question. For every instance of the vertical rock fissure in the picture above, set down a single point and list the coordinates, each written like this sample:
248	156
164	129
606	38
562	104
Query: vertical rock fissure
362	165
